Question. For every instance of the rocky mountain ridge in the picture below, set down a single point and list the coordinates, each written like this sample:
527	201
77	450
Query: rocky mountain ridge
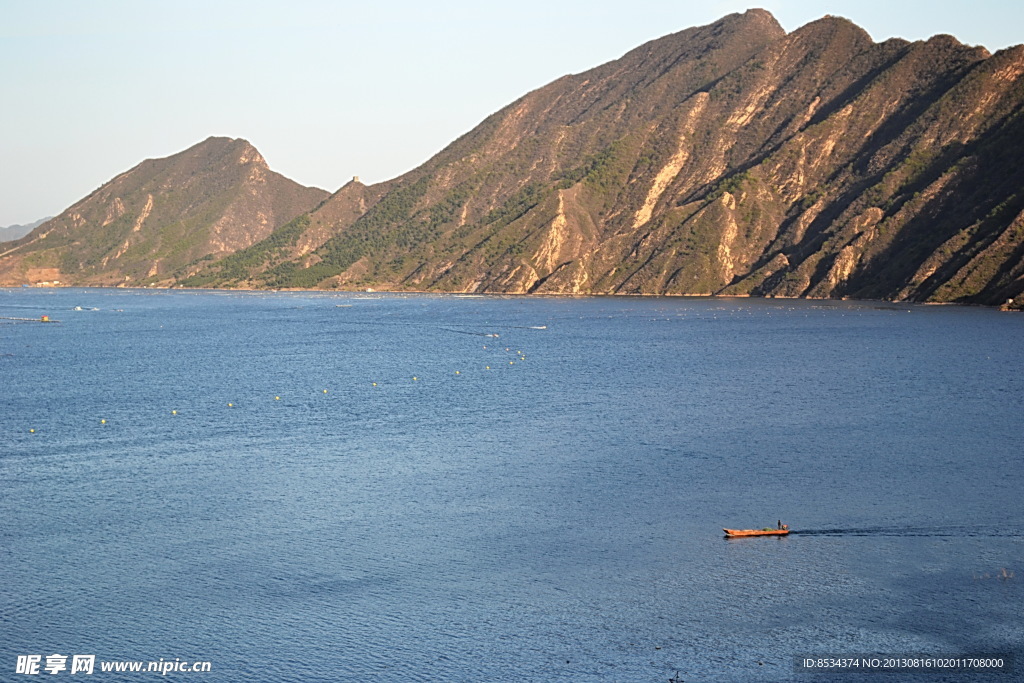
730	159
146	224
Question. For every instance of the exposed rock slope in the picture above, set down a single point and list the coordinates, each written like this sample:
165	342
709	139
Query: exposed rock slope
729	159
732	159
148	224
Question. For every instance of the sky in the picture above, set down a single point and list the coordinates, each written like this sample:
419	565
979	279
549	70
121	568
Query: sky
330	89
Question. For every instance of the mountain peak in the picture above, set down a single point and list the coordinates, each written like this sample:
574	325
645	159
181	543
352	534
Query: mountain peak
757	20
250	155
833	26
238	148
758	15
153	223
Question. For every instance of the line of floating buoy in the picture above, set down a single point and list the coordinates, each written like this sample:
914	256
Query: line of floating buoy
415	378
41	319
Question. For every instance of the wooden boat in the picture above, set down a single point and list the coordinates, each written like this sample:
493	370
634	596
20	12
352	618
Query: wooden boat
756	532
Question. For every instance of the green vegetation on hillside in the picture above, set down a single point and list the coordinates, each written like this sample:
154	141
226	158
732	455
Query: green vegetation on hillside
243	264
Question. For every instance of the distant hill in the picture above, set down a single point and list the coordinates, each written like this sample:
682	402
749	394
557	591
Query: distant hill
730	159
148	224
13	232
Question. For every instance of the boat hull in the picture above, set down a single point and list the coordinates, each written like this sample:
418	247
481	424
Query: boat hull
756	532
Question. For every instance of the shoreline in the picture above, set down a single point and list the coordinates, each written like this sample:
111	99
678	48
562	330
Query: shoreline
526	295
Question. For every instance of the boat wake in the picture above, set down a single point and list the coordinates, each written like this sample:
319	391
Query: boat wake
475	334
928	531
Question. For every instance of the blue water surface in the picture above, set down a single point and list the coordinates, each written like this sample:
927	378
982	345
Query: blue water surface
368	487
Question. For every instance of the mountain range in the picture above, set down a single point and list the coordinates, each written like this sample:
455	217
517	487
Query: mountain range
13	232
729	159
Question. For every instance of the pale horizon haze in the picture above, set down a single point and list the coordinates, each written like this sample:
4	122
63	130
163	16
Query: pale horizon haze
329	90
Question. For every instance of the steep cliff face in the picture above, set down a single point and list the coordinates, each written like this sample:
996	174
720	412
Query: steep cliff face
147	225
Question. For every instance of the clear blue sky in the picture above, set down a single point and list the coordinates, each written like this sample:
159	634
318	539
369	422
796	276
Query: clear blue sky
328	89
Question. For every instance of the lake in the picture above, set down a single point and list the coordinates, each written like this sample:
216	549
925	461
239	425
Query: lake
352	487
